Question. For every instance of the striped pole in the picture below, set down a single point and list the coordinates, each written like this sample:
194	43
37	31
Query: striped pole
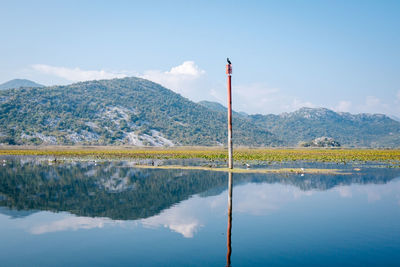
230	148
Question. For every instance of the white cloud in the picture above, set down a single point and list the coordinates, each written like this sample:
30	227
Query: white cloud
180	219
344	191
71	223
343	106
76	74
187	71
186	68
398	95
183	79
261	199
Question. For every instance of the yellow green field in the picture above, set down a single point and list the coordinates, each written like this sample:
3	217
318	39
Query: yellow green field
241	154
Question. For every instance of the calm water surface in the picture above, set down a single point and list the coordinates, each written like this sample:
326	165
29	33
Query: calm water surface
110	214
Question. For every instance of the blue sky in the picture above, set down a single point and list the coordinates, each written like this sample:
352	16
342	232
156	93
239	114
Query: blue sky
343	55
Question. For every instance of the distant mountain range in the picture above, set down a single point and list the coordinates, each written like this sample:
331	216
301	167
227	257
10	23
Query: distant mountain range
306	124
17	83
139	112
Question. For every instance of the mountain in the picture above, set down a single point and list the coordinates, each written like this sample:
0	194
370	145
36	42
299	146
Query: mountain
395	118
215	106
119	111
308	124
17	83
139	112
14	214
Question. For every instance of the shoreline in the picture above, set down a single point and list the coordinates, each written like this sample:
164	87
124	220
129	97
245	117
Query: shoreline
341	155
240	170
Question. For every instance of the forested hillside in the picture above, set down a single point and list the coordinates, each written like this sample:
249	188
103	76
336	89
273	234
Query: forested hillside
119	111
306	124
139	112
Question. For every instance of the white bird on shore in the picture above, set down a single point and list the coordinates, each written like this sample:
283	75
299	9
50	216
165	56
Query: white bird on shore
247	165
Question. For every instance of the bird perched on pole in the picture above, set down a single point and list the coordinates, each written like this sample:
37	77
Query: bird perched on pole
229	62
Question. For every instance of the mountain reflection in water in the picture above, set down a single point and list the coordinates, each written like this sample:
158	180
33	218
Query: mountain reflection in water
111	213
118	191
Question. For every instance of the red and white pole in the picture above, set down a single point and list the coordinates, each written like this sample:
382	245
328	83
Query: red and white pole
230	148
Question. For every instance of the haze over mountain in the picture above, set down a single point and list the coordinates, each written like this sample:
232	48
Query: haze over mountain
140	112
17	83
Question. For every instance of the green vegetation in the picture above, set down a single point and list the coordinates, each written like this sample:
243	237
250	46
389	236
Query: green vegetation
139	112
119	111
241	154
306	124
321	142
361	130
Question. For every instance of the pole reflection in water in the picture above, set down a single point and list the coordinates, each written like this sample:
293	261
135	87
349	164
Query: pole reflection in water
228	234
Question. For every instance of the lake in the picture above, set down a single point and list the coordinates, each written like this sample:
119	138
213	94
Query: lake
109	213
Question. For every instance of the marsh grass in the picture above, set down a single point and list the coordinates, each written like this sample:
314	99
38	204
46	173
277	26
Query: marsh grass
391	156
